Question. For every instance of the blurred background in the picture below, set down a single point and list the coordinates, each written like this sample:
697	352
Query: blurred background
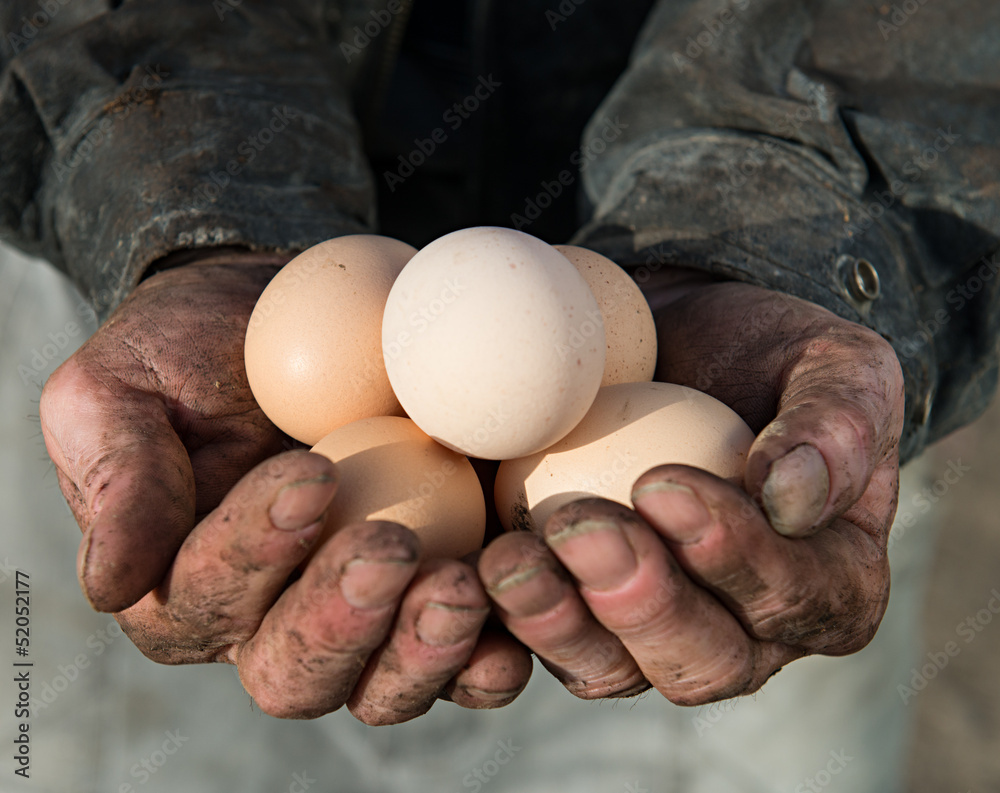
958	713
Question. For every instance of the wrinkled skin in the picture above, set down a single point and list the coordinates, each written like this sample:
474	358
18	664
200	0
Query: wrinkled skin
193	528
706	589
195	521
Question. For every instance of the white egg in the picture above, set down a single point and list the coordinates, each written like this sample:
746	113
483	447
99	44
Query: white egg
493	342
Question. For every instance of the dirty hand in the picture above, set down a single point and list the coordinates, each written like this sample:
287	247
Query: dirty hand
193	528
706	589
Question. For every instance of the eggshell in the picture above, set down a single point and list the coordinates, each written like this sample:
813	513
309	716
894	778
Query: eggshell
313	346
485	345
631	428
389	470
628	322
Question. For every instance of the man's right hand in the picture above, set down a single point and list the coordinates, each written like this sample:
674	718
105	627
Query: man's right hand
193	528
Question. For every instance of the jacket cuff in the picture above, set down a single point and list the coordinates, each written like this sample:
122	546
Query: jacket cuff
156	135
776	219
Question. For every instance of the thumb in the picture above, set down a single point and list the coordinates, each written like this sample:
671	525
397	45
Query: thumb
840	415
127	477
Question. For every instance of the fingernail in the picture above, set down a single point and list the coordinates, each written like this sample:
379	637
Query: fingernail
370	585
441	625
525	593
596	552
796	490
514	580
676	509
301	503
493	697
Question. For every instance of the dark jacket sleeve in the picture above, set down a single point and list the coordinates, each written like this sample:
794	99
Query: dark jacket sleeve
831	151
131	130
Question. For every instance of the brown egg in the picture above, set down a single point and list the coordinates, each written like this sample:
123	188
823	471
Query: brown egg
628	323
630	428
388	469
314	343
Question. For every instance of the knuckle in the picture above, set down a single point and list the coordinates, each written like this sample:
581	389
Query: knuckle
840	620
612	686
159	642
792	614
383	716
729	677
279	707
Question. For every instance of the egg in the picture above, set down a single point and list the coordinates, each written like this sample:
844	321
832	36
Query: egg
628	322
313	347
493	342
630	428
389	470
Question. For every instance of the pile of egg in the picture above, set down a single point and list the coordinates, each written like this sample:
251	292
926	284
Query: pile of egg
399	365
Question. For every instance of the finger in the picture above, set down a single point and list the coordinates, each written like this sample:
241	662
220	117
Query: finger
684	640
840	415
313	645
132	486
495	674
825	593
236	562
537	602
433	636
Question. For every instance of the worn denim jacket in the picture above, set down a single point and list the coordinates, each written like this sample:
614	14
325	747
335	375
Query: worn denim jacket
842	151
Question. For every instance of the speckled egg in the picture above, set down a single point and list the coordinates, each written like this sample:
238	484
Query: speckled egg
628	322
313	347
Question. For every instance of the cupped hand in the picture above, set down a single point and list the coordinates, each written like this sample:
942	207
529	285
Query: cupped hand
707	588
195	524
